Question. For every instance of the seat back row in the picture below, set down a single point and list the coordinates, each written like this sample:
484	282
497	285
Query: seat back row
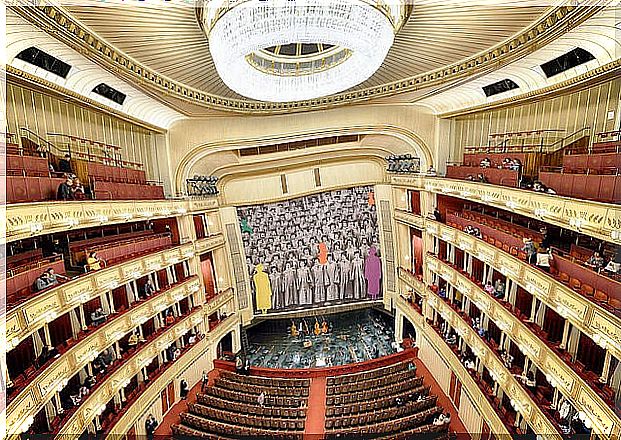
377	393
258	420
258	389
373	405
265	381
366	375
371	383
249	408
288	431
240	396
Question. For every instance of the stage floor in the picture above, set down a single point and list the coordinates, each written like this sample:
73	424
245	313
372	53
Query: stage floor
354	337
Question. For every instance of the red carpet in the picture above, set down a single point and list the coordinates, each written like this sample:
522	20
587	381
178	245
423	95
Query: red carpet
443	400
316	413
172	416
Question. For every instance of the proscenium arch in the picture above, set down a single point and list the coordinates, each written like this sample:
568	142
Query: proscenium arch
196	154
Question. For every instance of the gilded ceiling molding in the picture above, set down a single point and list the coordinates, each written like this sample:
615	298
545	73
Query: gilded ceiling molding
200	152
586	80
64	27
19	77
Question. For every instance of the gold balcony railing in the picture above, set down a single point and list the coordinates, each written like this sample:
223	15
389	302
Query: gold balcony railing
32	315
43	387
485	408
27	220
137	408
589	317
596	219
528	409
93	405
567	380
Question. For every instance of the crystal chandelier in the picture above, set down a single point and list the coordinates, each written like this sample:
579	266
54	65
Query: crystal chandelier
291	50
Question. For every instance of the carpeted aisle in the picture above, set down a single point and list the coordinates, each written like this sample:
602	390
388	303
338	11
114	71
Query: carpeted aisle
314	426
163	430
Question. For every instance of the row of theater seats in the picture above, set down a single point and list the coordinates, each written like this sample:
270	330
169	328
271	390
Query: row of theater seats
107	173
369	384
494	176
222	392
126	191
34	166
388	429
255	420
597	187
198	427
258	389
79	249
377	393
605	163
366	375
597	286
230	408
335	409
603	390
265	381
130	247
265	410
378	416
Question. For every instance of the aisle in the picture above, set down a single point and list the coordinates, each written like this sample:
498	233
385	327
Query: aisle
172	416
314	426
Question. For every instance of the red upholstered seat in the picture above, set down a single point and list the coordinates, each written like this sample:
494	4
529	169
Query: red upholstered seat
587	290
575	283
600	296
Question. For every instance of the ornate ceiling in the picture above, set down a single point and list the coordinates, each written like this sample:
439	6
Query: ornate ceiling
159	47
168	39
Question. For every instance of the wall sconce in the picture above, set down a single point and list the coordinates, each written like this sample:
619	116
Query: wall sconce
615	235
540	212
511	204
36	228
102	218
182	211
576	222
71	222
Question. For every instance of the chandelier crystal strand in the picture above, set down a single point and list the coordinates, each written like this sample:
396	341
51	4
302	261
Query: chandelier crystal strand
243	31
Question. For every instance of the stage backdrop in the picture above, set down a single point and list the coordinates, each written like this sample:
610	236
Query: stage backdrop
316	250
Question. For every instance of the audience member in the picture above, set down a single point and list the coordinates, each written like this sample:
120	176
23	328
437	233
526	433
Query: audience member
485	163
183	389
530	250
596	261
42	282
261	399
150	425
77	190
99	367
98	316
93	262
170	319
133	339
431	171
544	257
64	190
64	164
53	277
482	178
489	288
205	381
149	288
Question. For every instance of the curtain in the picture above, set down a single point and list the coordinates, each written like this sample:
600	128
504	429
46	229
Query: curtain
170	276
82	374
615	384
75	323
541	314
38	343
490	274
155	280
574	340
157	322
50	411
105	305
131	293
186	269
484	322
512	292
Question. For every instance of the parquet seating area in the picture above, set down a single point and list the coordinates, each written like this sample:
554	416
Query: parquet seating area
379	402
388	429
230	408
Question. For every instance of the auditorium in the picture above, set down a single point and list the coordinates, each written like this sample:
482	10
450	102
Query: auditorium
311	219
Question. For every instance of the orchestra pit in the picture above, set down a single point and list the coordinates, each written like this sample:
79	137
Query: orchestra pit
305	219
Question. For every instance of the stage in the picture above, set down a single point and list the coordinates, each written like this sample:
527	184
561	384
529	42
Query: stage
356	336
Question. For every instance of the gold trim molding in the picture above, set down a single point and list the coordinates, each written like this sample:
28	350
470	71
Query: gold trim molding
42	388
62	26
590	318
532	414
596	219
571	384
477	397
152	393
33	314
27	220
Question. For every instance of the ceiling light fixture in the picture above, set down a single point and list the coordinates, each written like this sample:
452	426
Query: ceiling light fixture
283	50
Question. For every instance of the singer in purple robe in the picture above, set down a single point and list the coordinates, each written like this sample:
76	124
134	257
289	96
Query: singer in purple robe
373	273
